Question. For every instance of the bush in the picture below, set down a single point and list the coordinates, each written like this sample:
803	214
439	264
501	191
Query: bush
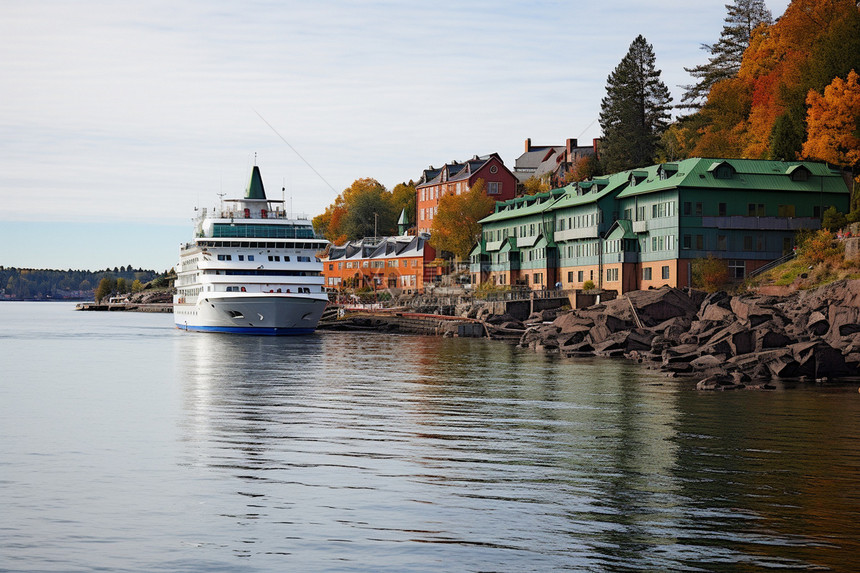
588	285
710	274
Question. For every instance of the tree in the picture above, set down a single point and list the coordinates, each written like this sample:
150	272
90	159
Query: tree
364	208
833	123
455	226
635	111
404	198
534	185
726	55
121	285
106	286
136	286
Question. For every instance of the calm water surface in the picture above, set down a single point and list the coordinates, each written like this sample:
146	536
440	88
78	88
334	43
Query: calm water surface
126	445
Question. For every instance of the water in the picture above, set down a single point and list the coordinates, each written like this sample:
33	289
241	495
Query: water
126	445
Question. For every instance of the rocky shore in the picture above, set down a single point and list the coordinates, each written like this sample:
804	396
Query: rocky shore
727	342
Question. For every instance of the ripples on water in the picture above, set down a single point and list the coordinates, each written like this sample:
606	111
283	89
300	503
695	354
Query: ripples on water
130	446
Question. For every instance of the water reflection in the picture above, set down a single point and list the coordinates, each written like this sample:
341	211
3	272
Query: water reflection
380	452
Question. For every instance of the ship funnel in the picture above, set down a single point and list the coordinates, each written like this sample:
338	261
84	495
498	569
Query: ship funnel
255	188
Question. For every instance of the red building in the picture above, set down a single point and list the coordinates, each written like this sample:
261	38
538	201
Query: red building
499	183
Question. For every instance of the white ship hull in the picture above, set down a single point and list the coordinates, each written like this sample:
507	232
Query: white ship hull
247	313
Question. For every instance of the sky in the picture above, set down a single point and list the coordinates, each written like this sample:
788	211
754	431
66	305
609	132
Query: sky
118	118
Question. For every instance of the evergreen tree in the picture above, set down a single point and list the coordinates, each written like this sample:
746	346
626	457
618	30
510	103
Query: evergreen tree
726	55
635	112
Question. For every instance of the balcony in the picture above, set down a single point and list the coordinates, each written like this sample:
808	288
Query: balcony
762	223
581	233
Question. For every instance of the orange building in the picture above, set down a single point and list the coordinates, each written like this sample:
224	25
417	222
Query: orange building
404	262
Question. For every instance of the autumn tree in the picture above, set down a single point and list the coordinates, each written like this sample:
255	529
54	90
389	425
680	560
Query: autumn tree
363	209
710	274
455	226
726	55
534	185
834	127
106	286
635	112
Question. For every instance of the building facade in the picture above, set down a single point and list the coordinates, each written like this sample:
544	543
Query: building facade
457	178
406	263
551	162
644	227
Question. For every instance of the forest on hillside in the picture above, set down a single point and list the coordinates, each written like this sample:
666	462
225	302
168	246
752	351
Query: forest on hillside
785	89
48	284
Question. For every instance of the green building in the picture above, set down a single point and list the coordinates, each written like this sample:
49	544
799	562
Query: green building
644	227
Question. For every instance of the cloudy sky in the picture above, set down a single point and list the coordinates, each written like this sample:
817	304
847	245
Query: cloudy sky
118	118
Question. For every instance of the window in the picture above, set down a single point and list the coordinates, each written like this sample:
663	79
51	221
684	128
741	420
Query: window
688	208
275	258
722	243
816	211
225	257
687	242
800	175
250	257
646	274
494	188
612	275
579	276
570	276
755	210
699	209
700	242
724	172
331	266
737	269
748	243
785	210
241	257
722	210
665	272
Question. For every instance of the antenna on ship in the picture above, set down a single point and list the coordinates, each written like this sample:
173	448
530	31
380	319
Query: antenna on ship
221	200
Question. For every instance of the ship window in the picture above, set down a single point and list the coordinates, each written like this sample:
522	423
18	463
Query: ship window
287	259
241	257
250	257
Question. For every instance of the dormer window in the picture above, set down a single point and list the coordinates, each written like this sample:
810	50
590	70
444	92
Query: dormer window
722	170
799	173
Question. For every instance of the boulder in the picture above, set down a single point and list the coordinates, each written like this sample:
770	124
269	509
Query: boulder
707	361
817	324
749	312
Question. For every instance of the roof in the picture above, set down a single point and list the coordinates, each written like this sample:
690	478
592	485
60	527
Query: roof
522	206
585	192
457	171
749	174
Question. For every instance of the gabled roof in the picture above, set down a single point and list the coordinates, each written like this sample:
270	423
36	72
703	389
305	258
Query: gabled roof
457	171
522	206
749	174
621	229
586	192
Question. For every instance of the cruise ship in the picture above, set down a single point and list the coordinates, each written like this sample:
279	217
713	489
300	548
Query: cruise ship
250	269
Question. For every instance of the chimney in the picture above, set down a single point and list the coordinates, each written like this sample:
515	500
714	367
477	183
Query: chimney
595	142
571	143
528	144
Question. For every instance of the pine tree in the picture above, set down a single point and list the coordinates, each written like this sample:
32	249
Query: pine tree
635	112
726	55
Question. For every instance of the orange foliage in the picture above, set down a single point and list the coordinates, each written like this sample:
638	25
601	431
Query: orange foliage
773	61
834	121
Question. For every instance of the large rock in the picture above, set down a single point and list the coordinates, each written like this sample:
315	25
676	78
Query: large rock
656	305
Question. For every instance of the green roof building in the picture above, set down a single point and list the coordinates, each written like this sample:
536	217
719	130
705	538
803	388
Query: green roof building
644	227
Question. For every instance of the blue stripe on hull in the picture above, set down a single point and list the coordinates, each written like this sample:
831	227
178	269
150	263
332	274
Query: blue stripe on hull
249	330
